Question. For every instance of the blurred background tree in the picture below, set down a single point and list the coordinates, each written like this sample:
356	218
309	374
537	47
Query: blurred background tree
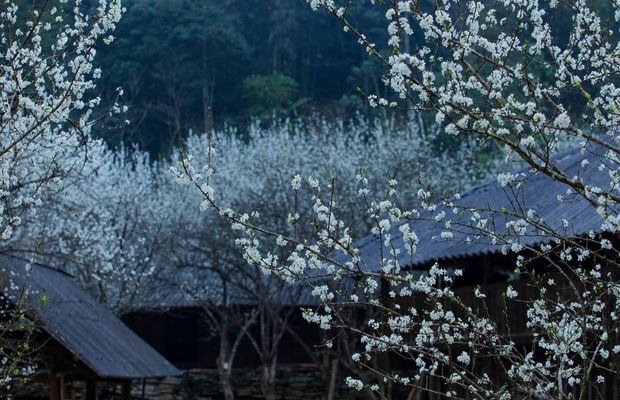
274	94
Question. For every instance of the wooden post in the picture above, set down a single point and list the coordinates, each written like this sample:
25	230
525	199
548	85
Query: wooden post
91	389
126	391
54	386
61	378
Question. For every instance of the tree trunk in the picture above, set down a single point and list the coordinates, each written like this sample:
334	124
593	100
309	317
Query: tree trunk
225	380
224	369
332	380
207	111
268	379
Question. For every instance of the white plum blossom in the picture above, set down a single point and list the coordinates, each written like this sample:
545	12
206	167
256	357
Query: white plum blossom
511	293
46	102
463	358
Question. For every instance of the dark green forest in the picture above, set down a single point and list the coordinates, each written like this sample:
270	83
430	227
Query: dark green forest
189	65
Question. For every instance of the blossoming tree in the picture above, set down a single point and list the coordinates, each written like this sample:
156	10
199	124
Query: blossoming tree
256	168
104	226
501	72
46	107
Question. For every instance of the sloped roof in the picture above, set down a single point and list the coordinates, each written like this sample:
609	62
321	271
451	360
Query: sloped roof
538	192
82	325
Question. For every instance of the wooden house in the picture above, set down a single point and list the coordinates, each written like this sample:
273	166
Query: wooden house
490	263
485	262
78	339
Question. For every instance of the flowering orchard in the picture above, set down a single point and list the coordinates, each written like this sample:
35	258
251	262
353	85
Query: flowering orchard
47	101
497	72
46	110
122	225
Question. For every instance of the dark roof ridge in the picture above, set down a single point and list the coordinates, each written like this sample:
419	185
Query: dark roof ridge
560	157
56	269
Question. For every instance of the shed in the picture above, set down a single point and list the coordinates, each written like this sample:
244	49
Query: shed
84	340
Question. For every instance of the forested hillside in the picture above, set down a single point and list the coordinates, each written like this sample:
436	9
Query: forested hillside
180	61
188	65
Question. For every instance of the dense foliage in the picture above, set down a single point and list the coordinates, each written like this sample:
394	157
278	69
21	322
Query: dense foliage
191	65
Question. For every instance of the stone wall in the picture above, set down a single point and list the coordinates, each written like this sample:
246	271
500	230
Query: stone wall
294	383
